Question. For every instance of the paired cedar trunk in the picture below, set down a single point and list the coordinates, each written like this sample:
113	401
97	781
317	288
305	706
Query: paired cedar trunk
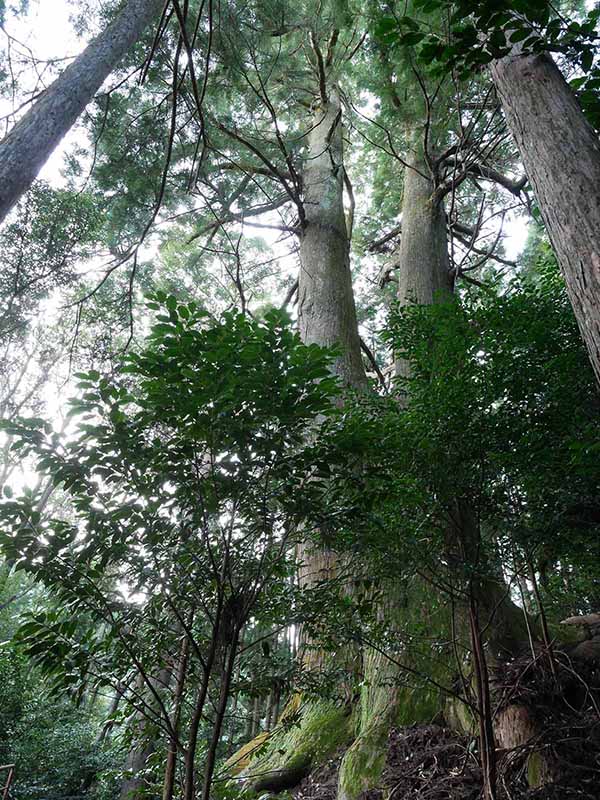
326	309
29	144
561	155
327	317
422	263
422	269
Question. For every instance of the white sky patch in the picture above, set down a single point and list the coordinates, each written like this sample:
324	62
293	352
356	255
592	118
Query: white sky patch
516	231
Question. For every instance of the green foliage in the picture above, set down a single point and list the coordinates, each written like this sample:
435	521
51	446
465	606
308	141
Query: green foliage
54	750
13	682
195	466
51	229
188	475
50	741
478	33
483	427
239	394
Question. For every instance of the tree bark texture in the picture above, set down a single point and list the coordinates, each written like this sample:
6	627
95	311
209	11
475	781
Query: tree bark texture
29	144
327	317
561	154
326	309
422	268
421	262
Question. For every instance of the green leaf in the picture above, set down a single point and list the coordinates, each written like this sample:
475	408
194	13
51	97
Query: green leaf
587	59
412	38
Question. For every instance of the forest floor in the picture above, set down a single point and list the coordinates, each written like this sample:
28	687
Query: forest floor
429	762
561	702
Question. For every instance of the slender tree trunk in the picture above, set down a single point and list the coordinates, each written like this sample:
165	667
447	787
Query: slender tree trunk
29	144
109	724
171	763
190	756
487	746
255	717
561	155
233	722
269	710
226	676
144	743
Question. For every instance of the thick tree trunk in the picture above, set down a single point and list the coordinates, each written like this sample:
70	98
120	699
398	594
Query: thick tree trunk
421	263
326	310
27	147
422	268
561	155
327	317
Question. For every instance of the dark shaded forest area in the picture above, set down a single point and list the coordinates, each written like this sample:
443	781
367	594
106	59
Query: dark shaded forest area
299	430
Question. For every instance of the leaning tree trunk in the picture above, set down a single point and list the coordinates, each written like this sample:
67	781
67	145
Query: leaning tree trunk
29	144
561	155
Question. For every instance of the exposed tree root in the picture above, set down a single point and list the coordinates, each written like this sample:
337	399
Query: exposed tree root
549	748
308	733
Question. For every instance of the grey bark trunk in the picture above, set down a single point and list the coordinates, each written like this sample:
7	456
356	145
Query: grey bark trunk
326	310
28	145
421	263
561	155
144	744
255	724
327	317
422	268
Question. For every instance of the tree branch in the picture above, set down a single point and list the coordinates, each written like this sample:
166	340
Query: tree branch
321	68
